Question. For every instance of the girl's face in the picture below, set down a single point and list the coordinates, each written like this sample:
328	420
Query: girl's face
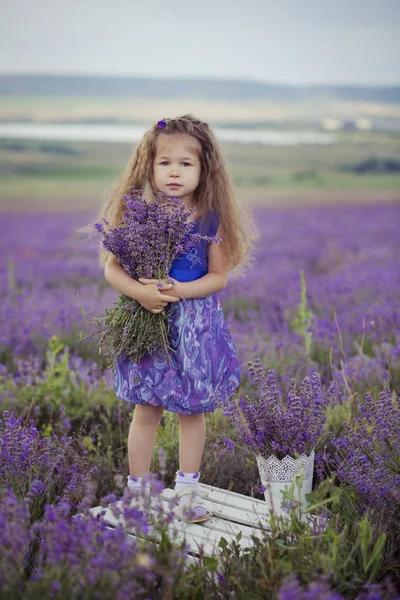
176	167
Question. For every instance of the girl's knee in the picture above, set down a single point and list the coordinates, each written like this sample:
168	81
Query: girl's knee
147	414
191	419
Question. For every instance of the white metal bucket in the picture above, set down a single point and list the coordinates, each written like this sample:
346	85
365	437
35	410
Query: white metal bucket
277	475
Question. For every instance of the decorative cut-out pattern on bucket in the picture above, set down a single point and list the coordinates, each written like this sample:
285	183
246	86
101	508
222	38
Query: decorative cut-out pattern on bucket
277	474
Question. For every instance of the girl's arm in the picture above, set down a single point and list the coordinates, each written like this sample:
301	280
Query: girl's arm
119	280
150	297
214	281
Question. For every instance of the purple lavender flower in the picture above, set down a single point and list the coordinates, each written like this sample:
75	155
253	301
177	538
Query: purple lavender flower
366	456
317	590
150	237
161	124
269	425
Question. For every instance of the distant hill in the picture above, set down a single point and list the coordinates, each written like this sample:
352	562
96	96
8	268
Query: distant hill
208	89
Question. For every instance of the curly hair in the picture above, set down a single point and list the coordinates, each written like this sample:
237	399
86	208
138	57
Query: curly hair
215	192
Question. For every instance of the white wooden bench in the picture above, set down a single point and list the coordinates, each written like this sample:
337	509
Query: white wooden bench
232	513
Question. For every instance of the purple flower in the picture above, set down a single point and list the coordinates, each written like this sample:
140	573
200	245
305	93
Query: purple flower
366	455
147	242
270	425
319	589
161	124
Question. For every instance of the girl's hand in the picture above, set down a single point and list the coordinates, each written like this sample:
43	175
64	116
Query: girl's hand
152	298
169	286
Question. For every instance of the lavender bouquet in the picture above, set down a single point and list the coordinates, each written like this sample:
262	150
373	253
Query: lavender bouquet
150	237
271	427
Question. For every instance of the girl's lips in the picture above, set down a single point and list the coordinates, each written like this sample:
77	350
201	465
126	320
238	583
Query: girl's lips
174	185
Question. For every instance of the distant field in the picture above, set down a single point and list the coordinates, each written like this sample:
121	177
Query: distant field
44	174
148	110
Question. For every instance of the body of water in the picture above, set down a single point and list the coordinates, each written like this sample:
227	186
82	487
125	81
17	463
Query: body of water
132	133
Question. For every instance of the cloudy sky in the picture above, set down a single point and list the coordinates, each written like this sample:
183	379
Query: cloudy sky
282	41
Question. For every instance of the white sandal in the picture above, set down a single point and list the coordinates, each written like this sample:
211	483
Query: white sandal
187	508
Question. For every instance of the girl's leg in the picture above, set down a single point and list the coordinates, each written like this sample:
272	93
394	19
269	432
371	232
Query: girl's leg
142	433
192	437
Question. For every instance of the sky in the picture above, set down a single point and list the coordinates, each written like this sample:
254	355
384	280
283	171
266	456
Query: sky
275	41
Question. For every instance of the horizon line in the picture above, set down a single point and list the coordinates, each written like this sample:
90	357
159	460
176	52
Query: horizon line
211	78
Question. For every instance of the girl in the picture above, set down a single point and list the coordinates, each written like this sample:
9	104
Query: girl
182	157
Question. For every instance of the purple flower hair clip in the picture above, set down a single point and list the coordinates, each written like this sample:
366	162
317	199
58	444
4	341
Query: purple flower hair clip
161	124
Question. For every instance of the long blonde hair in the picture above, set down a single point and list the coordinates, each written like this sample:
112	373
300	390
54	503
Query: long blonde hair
215	192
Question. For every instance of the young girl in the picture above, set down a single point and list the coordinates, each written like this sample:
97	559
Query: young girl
182	157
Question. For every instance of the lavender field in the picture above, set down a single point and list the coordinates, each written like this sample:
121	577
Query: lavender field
323	295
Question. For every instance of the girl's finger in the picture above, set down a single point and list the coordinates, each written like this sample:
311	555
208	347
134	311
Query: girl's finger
158	281
160	284
170	298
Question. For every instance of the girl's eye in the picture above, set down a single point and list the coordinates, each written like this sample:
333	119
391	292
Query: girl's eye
165	162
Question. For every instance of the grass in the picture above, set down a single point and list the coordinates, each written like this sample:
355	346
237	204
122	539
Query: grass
37	187
87	183
36	171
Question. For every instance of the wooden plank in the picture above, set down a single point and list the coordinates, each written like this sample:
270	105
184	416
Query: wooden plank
229	508
228	498
196	536
193	560
218	522
233	498
206	534
233	513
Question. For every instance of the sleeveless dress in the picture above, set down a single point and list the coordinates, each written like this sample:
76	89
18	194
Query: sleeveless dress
203	371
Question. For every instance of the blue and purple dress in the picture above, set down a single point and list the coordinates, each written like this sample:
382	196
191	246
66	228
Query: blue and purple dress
203	369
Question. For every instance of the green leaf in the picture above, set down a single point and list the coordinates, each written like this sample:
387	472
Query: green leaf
88	443
375	559
210	563
365	536
223	543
